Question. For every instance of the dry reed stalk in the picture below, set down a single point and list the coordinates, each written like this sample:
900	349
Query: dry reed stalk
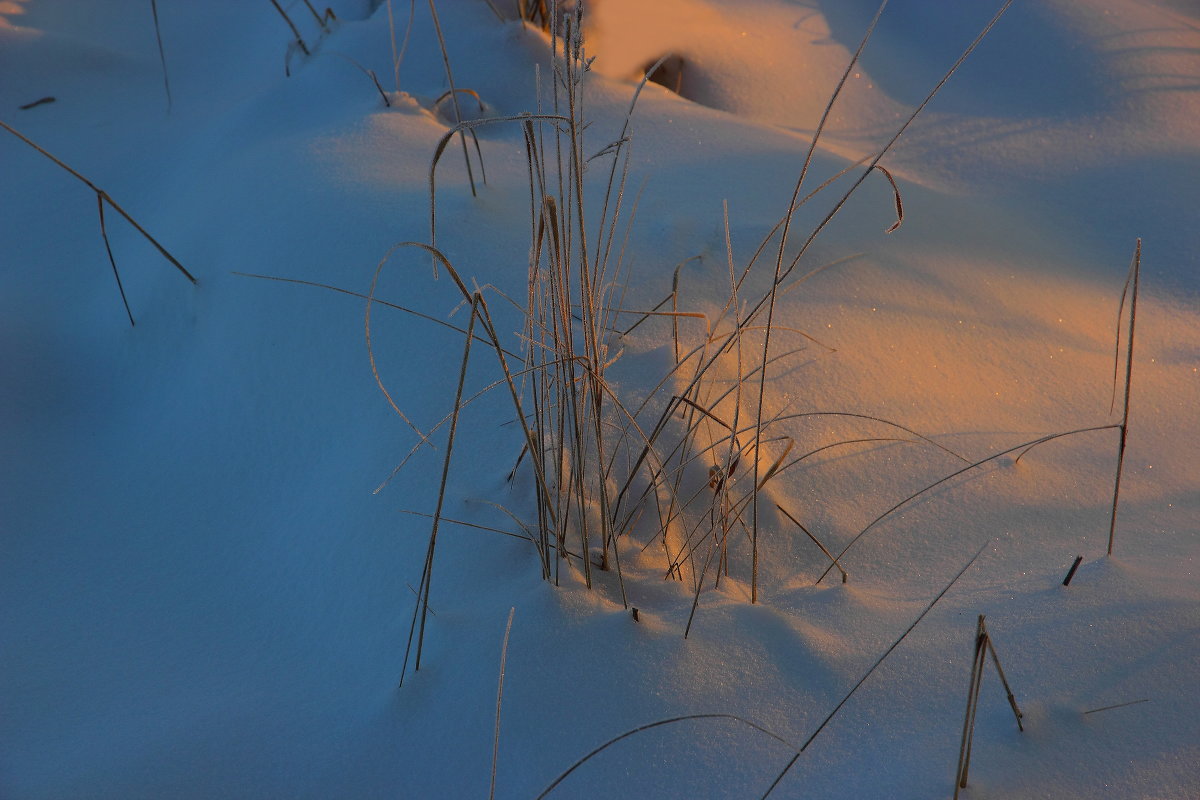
733	456
1008	692
531	440
775	281
370	73
536	11
376	301
322	19
837	262
1071	571
725	505
875	666
111	260
483	314
778	227
527	537
614	148
499	700
780	273
458	117
422	608
816	541
495	11
1023	446
543	554
1118	705
445	140
919	438
102	197
1135	270
375	79
449	92
650	726
732	511
41	101
571	398
162	56
292	25
712	550
398	55
968	732
896	194
371	351
983	647
843	443
883	151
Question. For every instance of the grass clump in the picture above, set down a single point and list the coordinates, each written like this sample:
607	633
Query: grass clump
685	468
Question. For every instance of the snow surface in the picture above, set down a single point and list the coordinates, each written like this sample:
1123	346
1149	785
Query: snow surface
200	595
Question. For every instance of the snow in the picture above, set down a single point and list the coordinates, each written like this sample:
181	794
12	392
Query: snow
202	594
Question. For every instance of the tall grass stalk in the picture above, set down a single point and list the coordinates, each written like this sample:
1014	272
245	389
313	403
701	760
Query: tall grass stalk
499	701
773	293
458	117
983	647
968	731
422	608
1131	283
162	55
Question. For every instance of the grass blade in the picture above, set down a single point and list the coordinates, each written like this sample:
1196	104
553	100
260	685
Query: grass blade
111	260
650	726
1023	446
499	700
1135	271
162	56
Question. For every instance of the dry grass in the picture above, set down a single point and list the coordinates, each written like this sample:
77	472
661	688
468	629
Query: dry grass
162	55
325	24
983	647
299	40
690	483
499	701
875	666
1131	288
658	724
453	93
689	468
103	199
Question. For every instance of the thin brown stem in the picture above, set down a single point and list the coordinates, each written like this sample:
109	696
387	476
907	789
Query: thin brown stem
1135	269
